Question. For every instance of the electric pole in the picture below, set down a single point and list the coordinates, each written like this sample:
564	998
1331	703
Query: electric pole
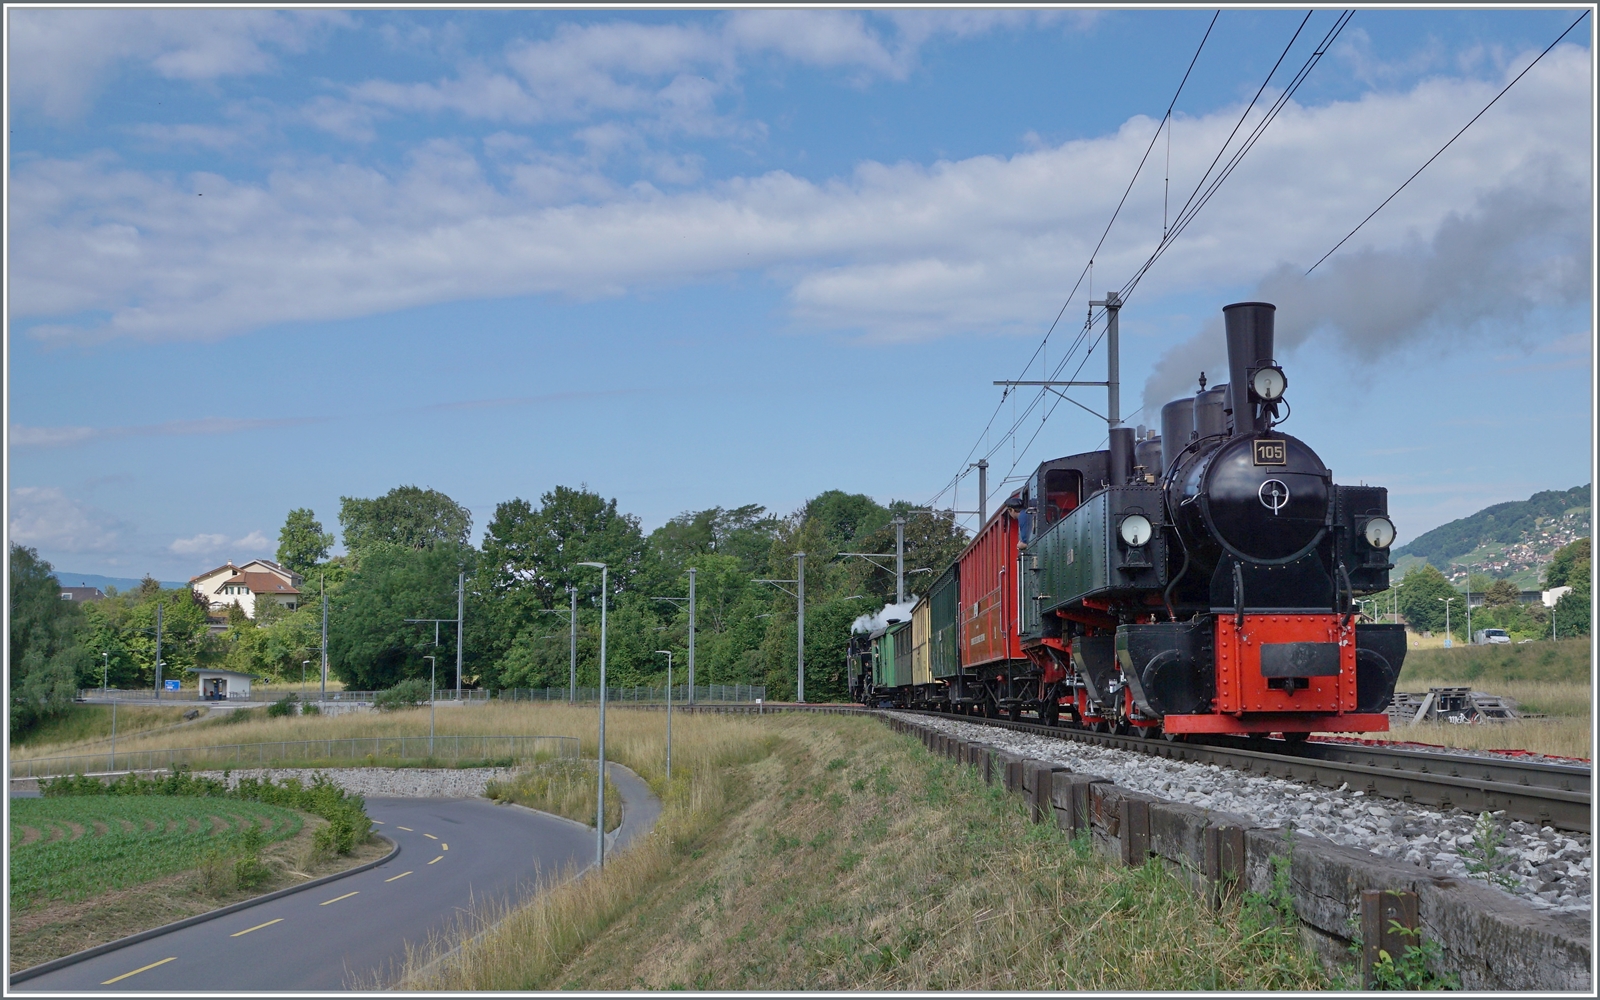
691	635
800	602
322	584
159	602
982	465
899	560
461	614
1113	383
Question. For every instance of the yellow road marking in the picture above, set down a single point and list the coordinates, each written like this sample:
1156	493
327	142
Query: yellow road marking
399	876
430	836
443	846
437	860
257	927
337	898
135	972
406	829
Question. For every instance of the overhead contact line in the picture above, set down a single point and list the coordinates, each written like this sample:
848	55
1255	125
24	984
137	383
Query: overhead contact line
1446	146
1166	121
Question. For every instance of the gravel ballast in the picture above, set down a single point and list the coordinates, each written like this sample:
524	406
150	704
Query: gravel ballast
1545	867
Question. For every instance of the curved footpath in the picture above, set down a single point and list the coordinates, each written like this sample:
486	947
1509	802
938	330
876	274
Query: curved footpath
454	854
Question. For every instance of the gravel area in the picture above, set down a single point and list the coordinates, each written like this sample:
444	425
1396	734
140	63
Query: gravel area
1547	868
387	782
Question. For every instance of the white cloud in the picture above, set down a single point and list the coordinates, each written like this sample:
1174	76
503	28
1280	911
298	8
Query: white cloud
203	544
198	545
672	74
46	518
59	58
983	244
255	542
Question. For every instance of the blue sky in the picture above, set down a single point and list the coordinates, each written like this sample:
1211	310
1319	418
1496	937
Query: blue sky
259	260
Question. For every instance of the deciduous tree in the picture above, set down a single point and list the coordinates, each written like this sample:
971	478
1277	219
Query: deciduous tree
406	516
301	542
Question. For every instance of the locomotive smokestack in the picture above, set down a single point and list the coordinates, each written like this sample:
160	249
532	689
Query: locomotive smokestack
1249	326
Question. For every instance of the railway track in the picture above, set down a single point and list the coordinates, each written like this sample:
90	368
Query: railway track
1550	794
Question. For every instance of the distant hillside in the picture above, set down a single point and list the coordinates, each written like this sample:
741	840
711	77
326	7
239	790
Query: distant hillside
1512	540
68	579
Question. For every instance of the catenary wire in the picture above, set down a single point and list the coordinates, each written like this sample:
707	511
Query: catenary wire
1165	123
1446	146
1204	193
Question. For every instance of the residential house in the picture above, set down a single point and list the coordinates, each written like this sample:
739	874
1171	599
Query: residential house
256	580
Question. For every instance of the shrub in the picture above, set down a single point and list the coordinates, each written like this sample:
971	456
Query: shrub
283	706
406	694
310	708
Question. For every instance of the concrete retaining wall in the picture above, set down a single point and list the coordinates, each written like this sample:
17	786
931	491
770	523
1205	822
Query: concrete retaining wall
1492	940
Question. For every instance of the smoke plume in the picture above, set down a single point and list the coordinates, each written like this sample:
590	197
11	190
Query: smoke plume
1522	247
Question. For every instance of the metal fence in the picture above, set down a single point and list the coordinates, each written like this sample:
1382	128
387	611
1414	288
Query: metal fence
261	693
357	751
745	694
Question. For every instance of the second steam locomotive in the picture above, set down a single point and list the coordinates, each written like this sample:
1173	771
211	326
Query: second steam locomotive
1197	581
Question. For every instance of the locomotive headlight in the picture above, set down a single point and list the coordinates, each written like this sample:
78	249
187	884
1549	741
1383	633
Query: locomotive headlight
1269	383
1379	532
1135	529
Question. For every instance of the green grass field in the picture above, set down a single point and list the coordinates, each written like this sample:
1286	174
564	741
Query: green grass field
76	846
1550	662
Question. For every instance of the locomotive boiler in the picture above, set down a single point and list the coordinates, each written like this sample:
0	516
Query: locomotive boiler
1199	580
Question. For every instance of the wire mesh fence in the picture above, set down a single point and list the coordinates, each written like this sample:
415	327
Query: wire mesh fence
354	751
643	694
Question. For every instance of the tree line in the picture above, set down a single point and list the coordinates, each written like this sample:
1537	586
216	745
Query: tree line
1424	592
406	551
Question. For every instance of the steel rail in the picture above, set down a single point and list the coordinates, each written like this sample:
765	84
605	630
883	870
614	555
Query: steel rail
1550	794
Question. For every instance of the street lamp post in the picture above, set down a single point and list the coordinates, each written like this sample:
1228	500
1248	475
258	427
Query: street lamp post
600	781
669	713
1447	602
105	675
303	665
433	673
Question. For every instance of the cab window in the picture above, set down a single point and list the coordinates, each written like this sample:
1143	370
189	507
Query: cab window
1060	497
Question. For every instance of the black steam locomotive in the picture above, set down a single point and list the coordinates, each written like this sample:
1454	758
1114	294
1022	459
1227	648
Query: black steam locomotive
1202	580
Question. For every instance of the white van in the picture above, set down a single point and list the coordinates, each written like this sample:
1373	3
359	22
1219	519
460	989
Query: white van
1490	637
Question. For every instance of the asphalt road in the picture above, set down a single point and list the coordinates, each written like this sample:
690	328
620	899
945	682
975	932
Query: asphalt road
453	853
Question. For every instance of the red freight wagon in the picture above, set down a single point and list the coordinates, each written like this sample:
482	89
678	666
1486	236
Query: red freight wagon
990	633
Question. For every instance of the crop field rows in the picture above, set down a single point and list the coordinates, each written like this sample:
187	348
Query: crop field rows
71	847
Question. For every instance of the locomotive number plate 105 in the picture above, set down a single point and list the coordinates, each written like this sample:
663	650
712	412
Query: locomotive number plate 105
1271	451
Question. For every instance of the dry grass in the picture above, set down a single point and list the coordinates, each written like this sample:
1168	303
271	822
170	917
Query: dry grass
634	738
90	726
849	858
1558	737
1551	679
563	787
56	929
